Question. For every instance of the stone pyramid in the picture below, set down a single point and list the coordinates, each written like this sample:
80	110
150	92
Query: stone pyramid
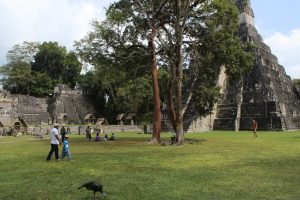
266	94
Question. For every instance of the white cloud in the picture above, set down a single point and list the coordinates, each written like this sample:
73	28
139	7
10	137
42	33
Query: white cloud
287	48
46	20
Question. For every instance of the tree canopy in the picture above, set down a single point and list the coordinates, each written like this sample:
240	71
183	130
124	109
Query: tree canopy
191	40
36	69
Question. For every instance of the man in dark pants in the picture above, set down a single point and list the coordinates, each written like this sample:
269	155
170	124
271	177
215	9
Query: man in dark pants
54	142
63	132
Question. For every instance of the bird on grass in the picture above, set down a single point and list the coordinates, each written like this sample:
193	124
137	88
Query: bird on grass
94	186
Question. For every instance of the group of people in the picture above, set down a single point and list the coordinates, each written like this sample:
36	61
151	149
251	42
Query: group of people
63	139
105	137
56	140
88	133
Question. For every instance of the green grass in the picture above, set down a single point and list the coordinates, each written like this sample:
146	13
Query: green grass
213	165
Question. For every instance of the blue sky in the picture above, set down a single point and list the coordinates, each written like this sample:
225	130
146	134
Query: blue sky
276	15
67	20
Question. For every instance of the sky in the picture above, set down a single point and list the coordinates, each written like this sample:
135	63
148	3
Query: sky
65	21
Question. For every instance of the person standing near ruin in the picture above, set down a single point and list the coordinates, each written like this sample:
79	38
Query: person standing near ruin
254	126
88	132
55	141
63	133
98	139
68	130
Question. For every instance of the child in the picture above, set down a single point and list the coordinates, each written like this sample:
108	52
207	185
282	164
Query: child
254	126
98	139
66	149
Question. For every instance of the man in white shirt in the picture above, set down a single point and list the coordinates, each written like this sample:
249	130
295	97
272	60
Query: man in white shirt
54	143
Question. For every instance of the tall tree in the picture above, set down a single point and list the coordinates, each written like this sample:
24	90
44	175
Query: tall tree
17	72
72	69
143	19
17	77
41	84
50	60
199	31
132	31
36	69
190	39
61	66
152	10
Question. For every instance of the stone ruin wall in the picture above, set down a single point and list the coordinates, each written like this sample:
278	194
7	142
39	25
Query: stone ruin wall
75	107
36	111
32	110
40	113
267	94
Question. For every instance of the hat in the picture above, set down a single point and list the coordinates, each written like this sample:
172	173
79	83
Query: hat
55	124
67	136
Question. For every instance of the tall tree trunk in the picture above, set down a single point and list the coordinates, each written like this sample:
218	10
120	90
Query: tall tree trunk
179	133
155	86
170	104
179	69
179	106
175	83
239	99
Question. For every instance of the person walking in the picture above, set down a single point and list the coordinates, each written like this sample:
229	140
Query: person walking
66	148
55	141
254	126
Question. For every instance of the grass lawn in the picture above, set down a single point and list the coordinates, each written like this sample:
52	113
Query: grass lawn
213	165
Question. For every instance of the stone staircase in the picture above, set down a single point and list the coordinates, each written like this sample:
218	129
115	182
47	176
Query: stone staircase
225	117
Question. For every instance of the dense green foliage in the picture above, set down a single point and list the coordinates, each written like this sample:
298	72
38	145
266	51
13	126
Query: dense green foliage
120	68
36	69
197	36
214	165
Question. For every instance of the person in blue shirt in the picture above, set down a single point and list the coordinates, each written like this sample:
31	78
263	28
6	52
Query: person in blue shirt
66	148
105	137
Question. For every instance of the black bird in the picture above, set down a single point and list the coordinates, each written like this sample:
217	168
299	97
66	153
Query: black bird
94	186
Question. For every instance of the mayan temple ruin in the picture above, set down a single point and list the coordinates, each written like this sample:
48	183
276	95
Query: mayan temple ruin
65	106
265	94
